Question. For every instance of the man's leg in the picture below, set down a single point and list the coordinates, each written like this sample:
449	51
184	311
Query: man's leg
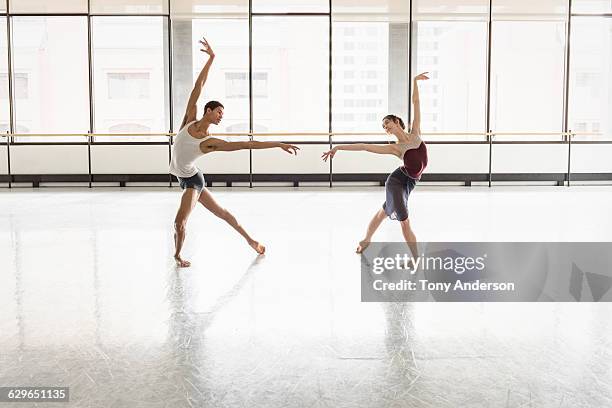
372	227
207	200
188	201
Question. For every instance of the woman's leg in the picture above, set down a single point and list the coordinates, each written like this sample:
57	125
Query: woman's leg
410	237
372	227
188	200
207	200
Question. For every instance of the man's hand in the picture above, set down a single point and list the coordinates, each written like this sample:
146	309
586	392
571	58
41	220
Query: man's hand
289	148
206	48
421	76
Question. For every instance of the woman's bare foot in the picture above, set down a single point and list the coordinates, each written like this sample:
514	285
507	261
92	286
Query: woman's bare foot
362	246
180	262
257	247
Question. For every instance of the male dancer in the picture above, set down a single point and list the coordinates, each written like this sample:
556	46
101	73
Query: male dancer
191	142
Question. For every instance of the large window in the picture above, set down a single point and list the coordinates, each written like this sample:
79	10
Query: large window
294	52
228	77
440	10
527	67
590	100
369	66
294	6
290	89
129	85
453	99
591	6
450	43
130	75
371	10
361	91
4	106
21	85
50	76
129	6
221	9
527	96
46	6
237	84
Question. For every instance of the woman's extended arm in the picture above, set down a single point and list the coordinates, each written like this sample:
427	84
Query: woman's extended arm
416	104
372	148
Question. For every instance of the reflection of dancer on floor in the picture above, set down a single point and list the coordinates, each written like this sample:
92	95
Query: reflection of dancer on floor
412	150
192	141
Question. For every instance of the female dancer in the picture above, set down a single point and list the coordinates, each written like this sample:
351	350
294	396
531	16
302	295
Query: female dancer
191	142
412	150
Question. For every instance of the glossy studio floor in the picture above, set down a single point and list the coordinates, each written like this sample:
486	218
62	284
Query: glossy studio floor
90	299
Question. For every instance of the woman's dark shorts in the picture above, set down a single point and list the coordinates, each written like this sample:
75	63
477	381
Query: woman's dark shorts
397	188
196	181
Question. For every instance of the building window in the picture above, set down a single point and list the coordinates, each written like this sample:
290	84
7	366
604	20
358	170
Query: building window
587	78
369	46
244	128
129	128
343	117
590	80
581	127
369	74
128	85
237	84
20	86
427	60
4	128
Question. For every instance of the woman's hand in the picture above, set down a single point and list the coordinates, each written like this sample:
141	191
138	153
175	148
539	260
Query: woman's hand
206	48
289	148
329	154
421	77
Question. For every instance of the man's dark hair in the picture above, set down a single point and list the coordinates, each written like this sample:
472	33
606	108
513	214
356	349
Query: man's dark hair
212	105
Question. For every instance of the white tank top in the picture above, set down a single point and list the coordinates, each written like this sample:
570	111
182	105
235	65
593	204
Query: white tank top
185	152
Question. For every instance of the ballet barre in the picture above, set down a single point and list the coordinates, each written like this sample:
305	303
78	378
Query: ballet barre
166	139
272	134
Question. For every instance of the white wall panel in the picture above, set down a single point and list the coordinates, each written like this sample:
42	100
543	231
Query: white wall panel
48	159
3	161
458	158
308	160
224	162
533	158
129	159
592	158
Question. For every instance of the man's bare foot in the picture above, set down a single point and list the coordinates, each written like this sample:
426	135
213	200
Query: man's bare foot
181	263
362	246
257	247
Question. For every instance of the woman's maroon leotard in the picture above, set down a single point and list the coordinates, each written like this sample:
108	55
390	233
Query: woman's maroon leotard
415	161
